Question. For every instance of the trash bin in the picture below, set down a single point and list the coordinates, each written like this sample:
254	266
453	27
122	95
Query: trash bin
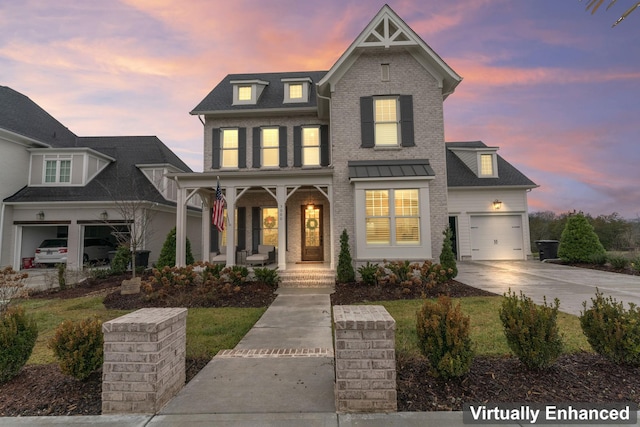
142	258
27	263
548	249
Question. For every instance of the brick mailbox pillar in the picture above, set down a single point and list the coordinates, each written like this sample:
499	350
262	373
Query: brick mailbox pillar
365	359
144	360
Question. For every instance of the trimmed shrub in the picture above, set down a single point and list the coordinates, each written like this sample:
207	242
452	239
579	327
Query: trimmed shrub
345	273
267	276
578	242
168	252
447	257
368	273
443	337
531	330
11	286
121	260
612	331
619	262
18	335
78	347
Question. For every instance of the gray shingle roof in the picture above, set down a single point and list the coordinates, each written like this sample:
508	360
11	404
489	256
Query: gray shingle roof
221	97
459	175
21	115
121	180
389	168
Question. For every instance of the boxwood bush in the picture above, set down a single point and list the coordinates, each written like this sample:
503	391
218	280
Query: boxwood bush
18	335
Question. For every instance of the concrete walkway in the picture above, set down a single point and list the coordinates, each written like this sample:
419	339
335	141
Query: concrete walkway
571	285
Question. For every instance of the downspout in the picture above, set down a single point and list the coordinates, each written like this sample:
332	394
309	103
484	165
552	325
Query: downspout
330	121
1	229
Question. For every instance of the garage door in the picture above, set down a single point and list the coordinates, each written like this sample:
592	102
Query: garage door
496	237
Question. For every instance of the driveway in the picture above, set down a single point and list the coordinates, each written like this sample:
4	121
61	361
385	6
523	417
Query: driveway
571	285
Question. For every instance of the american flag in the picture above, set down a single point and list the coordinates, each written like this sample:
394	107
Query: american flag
217	218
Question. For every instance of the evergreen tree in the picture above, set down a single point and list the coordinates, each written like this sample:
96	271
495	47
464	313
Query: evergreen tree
447	257
578	242
346	273
168	251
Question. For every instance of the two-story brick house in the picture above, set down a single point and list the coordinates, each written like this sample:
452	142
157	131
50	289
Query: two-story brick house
302	156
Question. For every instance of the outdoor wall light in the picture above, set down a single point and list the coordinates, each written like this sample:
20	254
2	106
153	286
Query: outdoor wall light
40	216
104	215
497	204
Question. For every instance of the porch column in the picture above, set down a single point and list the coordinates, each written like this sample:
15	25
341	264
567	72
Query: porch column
206	230
281	199
332	250
181	232
230	196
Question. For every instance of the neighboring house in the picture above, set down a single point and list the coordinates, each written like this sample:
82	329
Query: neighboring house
58	185
302	156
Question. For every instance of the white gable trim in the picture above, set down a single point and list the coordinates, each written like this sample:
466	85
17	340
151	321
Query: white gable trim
387	30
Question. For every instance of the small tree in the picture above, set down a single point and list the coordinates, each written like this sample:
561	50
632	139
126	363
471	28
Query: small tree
447	257
579	242
168	252
346	273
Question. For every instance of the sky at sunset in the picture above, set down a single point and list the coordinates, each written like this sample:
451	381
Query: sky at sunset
556	88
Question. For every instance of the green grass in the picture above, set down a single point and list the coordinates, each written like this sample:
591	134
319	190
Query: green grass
486	329
208	329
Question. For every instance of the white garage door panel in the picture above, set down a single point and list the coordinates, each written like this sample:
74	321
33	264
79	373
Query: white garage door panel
496	237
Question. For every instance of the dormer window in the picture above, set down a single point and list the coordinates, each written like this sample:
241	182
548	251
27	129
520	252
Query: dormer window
487	165
296	89
247	92
244	93
57	170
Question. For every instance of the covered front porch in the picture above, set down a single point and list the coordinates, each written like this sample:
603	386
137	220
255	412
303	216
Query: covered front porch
289	211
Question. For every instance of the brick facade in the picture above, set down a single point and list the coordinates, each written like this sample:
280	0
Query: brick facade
144	360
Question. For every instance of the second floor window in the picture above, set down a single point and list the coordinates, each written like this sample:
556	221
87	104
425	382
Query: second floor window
386	122
229	148
295	91
270	147
311	146
57	171
244	93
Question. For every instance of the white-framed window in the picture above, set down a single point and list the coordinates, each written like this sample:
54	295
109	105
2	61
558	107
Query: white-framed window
245	93
270	147
487	165
295	91
311	146
386	121
57	170
229	148
270	226
392	217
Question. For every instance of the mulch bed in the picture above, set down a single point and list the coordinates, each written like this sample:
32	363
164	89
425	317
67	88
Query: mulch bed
581	377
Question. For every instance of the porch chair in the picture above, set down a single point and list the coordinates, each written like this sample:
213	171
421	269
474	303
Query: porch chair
266	255
221	258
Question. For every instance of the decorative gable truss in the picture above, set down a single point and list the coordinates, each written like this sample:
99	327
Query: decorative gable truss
387	33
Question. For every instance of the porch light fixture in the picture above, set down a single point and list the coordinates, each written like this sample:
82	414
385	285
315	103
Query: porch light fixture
497	204
40	216
104	215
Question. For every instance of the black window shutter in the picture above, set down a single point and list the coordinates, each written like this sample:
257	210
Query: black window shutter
215	149
297	146
242	148
366	122
256	147
255	228
242	228
406	121
282	133
324	146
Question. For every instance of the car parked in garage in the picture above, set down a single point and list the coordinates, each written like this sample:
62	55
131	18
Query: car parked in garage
51	251
54	251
